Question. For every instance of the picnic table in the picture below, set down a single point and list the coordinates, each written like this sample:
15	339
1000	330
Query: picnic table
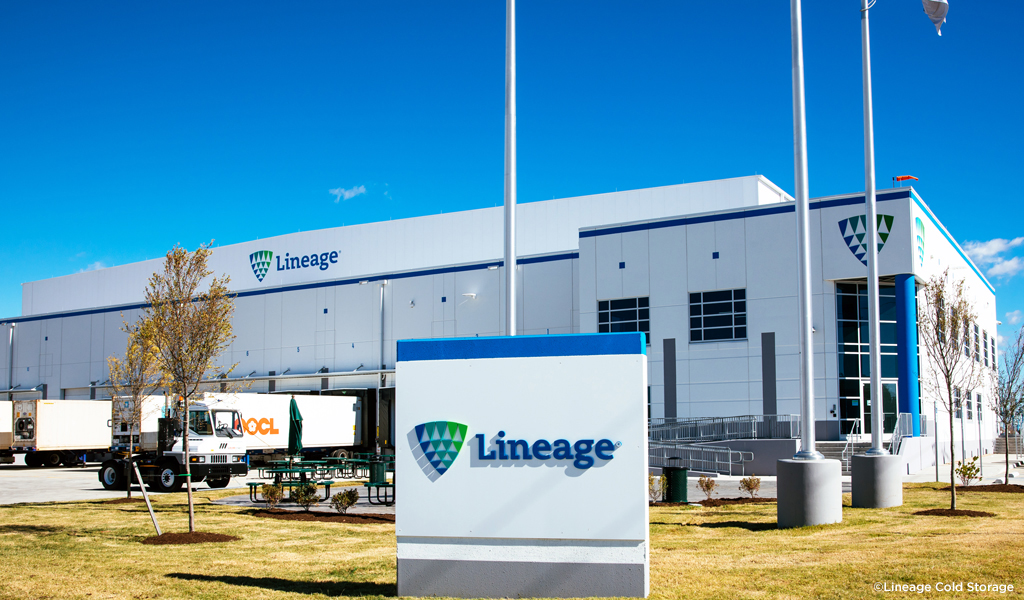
293	472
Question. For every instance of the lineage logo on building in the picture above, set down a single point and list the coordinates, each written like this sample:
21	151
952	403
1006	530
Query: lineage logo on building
262	260
855	229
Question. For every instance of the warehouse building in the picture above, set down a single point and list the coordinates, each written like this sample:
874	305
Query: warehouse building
707	270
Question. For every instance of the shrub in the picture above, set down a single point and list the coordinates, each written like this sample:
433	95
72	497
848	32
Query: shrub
306	495
656	487
272	494
707	485
751	485
968	472
342	501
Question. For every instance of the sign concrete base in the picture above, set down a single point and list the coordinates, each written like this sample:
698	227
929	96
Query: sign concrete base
810	492
877	480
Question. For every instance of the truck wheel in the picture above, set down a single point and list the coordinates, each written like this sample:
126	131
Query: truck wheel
70	460
112	475
218	483
33	460
52	459
340	453
167	479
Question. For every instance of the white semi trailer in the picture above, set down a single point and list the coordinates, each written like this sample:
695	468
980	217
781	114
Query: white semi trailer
216	439
54	432
6	431
331	425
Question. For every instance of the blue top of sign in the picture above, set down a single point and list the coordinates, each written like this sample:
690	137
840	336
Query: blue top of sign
581	344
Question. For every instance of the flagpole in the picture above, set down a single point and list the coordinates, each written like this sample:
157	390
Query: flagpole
803	236
510	167
875	356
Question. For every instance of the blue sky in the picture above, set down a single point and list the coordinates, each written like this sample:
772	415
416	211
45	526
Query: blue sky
128	127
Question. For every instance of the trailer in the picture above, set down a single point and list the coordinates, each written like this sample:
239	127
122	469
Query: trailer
216	444
55	432
332	425
6	431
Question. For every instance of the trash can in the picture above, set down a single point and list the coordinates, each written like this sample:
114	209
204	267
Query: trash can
676	483
377	472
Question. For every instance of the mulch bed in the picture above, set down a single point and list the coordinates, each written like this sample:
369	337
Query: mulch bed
188	538
123	501
1007	488
715	502
288	515
945	512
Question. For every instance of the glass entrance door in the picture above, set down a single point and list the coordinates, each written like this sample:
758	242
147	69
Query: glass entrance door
888	406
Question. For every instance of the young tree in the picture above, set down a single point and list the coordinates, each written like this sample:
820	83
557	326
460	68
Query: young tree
1008	399
949	370
135	378
191	327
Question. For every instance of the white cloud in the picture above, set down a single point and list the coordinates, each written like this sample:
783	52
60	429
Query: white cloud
988	254
343	194
1013	318
1007	268
93	267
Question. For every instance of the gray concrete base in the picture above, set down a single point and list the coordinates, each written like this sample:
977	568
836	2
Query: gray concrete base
876	480
494	579
810	492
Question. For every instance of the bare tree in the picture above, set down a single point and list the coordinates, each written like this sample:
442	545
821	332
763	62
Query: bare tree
134	378
950	370
1008	399
191	328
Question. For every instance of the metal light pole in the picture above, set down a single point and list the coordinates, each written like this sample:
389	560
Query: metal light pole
803	237
510	168
875	357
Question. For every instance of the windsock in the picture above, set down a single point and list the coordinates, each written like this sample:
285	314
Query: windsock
936	11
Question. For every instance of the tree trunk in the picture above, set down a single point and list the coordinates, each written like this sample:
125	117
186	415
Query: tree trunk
952	461
128	469
188	473
1006	452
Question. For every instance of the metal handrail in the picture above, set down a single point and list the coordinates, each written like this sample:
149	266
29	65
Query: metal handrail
904	428
713	429
856	430
709	459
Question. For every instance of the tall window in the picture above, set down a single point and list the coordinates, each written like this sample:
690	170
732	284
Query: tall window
716	316
970	407
995	357
957	403
984	339
977	353
967	340
852	314
978	405
626	314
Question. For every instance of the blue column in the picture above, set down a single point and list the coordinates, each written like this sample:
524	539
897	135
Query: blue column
906	349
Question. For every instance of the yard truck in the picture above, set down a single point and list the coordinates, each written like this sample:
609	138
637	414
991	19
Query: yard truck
54	432
216	443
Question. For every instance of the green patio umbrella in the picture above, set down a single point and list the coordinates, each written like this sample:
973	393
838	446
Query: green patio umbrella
294	429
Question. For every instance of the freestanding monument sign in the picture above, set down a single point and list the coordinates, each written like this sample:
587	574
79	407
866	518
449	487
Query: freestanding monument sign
522	466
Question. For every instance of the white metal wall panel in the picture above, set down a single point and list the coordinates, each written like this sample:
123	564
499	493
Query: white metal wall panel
479	315
668	267
414	307
637	275
731	264
608	255
547	297
700	267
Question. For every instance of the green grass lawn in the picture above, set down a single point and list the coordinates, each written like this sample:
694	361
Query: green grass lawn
92	550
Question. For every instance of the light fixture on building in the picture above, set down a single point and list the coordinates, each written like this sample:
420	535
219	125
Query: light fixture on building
412	304
470	295
492	268
364	282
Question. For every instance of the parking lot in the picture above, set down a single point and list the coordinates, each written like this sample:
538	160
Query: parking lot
19	483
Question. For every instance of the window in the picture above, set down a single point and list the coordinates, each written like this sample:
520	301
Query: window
627	314
970	407
956	403
995	359
716	316
967	340
984	338
852	330
978	405
977	354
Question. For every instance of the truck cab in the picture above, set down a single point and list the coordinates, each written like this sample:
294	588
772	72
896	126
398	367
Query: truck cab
216	444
